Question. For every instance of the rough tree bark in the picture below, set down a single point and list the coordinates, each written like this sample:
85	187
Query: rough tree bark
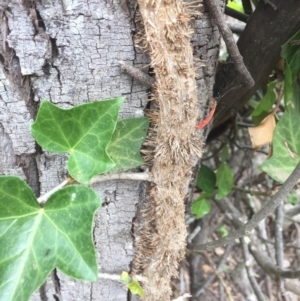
68	52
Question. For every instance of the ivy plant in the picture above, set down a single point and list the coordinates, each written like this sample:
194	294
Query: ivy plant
36	239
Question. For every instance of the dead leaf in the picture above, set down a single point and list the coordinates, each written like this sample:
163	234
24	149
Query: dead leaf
206	269
219	251
263	133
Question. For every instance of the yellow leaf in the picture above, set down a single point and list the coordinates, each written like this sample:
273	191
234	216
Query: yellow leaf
263	133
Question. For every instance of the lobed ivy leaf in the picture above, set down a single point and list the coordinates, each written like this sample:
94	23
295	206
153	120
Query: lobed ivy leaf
124	147
224	180
201	207
35	240
136	289
286	148
83	131
206	179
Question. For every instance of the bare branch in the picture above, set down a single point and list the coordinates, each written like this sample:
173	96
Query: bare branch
257	217
183	297
278	234
218	17
259	295
137	74
252	192
271	269
292	285
279	241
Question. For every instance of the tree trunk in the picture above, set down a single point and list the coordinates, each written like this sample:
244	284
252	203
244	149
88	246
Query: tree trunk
68	52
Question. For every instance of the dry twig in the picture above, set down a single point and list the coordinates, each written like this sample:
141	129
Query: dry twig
218	17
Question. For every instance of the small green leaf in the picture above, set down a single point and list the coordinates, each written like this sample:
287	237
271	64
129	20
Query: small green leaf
286	148
136	289
236	5
124	147
206	179
35	240
125	278
293	198
200	207
225	267
83	131
223	231
224	180
265	105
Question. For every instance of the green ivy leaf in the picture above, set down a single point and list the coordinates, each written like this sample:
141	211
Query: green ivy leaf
286	148
206	179
83	131
200	207
35	240
291	53
224	180
136	289
124	147
265	105
125	278
288	50
223	231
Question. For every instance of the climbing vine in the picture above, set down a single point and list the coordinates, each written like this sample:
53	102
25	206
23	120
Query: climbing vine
36	238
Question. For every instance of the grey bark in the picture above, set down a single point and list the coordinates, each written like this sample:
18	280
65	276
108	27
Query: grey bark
68	52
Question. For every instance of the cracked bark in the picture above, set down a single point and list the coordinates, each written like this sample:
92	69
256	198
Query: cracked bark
68	52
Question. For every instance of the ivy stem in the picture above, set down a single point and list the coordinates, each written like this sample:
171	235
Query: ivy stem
42	199
116	277
135	176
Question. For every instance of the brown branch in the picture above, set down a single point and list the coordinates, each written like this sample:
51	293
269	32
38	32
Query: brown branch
218	17
257	217
278	234
137	74
271	269
292	285
259	295
252	192
279	242
271	29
